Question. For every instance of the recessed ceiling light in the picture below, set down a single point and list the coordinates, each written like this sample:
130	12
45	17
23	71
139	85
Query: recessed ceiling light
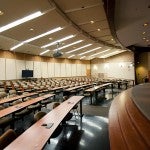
144	32
50	38
1	13
144	38
98	29
31	29
147	40
91	21
112	39
145	24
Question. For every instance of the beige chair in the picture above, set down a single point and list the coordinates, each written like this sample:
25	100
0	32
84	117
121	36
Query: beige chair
3	95
20	113
6	138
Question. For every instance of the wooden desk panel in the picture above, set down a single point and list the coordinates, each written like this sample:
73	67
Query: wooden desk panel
36	136
22	105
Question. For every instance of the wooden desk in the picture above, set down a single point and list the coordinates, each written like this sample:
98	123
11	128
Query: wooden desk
37	135
68	90
95	89
7	100
22	105
129	129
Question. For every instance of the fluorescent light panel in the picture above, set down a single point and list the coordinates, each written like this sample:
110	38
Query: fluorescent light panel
78	48
69	45
71	56
82	57
110	54
57	41
100	52
20	21
89	51
36	37
45	52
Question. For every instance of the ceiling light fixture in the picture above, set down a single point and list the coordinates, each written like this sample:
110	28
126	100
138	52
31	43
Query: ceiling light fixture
100	52
145	24
144	32
31	29
98	29
20	21
71	56
36	37
110	54
1	13
69	45
58	41
91	21
79	48
90	51
144	38
82	57
45	52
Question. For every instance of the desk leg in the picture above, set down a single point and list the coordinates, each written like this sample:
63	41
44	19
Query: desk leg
91	98
81	115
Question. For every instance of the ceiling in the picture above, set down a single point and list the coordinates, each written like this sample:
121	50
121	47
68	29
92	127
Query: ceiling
132	22
85	20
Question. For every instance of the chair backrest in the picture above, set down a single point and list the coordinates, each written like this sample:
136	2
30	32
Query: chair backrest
7	137
3	94
12	92
1	107
56	104
2	90
39	115
17	102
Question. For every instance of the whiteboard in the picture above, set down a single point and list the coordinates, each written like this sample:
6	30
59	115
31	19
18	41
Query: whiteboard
73	70
50	69
83	72
10	69
20	65
68	70
63	70
44	67
29	65
2	68
79	70
37	69
57	69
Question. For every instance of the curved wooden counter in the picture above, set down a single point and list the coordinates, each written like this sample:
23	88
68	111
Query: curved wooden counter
129	129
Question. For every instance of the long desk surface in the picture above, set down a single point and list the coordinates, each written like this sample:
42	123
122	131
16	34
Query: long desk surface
7	100
93	89
129	128
12	109
37	135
